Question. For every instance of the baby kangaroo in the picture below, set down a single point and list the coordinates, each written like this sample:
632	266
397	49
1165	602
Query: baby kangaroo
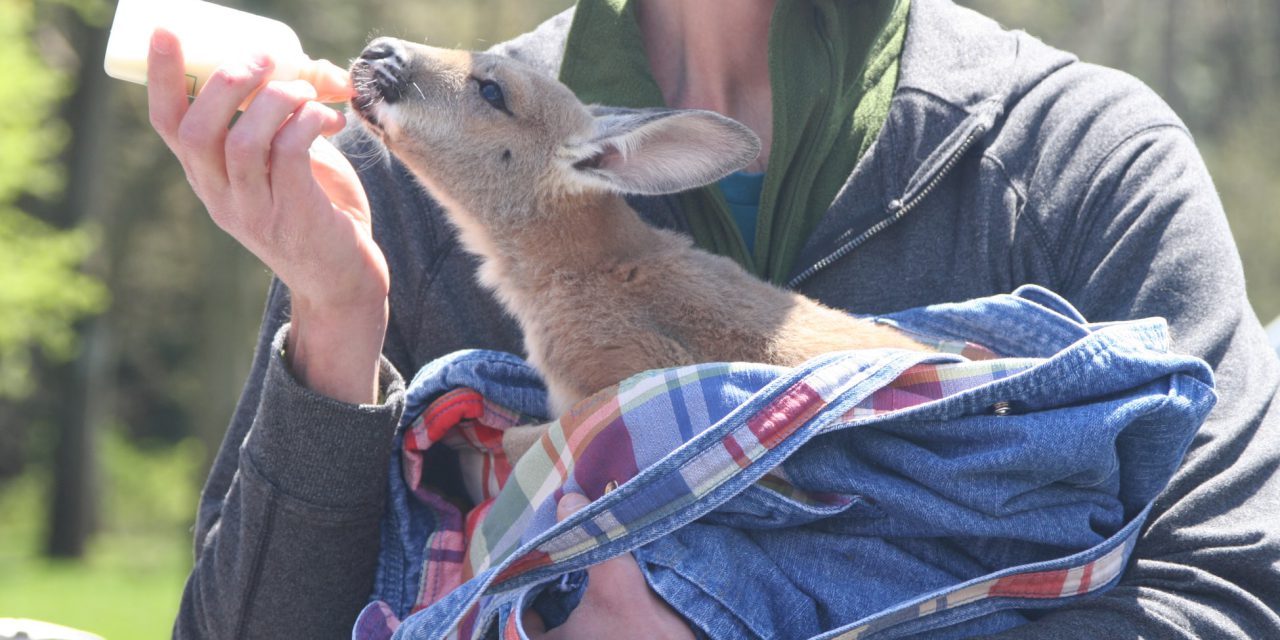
533	181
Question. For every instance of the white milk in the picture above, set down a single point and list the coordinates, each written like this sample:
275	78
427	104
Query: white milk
210	36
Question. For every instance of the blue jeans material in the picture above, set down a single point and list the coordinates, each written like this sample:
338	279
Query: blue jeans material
1049	472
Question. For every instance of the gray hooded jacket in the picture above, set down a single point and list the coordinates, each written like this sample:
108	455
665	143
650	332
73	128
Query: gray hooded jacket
1002	162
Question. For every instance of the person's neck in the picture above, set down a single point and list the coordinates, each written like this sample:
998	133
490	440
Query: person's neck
713	55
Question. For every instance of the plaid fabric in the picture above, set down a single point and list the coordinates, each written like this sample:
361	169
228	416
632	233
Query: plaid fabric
927	383
606	441
1058	583
672	446
463	420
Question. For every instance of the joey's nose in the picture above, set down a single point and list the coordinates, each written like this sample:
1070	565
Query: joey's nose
381	49
386	59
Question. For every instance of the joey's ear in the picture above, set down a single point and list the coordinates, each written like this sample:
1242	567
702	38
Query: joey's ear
657	151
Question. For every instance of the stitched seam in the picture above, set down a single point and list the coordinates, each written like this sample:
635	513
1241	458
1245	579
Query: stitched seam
1038	233
255	572
1033	224
725	607
1085	203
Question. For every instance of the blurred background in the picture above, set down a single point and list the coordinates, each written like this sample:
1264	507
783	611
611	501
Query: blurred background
127	319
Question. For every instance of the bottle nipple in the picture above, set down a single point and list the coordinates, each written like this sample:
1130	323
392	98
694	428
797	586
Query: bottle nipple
332	83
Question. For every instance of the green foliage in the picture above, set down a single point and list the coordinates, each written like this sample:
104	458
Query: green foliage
42	293
93	12
150	490
29	139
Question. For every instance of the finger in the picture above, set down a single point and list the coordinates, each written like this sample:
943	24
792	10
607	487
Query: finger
166	86
290	151
617	590
616	583
203	132
248	144
533	624
338	179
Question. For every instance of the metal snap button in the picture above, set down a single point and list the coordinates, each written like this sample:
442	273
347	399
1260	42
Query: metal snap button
1002	408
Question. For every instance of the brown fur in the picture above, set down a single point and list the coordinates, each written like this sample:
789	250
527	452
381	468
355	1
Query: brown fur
599	294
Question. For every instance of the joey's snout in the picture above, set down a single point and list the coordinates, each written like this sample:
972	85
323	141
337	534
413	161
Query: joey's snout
399	84
380	73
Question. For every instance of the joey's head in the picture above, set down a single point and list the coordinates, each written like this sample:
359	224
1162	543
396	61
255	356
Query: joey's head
501	145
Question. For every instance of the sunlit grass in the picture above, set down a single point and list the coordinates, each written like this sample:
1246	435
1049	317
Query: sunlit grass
127	588
129	584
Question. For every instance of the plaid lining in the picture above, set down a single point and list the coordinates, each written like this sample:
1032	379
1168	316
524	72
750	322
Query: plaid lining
462	547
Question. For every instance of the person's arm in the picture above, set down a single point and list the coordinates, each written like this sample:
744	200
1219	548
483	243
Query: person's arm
287	537
1149	238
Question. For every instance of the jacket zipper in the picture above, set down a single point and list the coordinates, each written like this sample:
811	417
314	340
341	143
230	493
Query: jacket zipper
897	208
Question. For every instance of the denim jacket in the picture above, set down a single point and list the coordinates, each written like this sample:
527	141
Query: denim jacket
872	494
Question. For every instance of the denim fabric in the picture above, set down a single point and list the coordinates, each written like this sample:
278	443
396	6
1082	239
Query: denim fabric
959	516
555	602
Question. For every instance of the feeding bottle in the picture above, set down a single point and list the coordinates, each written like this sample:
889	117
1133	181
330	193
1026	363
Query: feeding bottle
210	35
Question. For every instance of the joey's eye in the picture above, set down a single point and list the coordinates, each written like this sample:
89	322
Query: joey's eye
492	93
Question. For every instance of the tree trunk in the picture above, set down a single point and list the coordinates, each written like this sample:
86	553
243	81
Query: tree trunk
1171	58
84	396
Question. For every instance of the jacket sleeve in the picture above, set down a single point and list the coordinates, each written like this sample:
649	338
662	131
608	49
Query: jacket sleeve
1149	238
286	537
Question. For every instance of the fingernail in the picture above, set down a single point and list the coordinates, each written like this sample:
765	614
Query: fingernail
160	42
336	125
261	62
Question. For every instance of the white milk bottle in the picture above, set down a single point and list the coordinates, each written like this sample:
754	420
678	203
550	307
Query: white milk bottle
211	35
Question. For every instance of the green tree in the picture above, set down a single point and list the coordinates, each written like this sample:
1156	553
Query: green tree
42	291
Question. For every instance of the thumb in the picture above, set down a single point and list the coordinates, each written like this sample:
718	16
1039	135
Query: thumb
570	504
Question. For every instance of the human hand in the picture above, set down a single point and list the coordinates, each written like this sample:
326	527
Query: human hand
290	198
618	603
